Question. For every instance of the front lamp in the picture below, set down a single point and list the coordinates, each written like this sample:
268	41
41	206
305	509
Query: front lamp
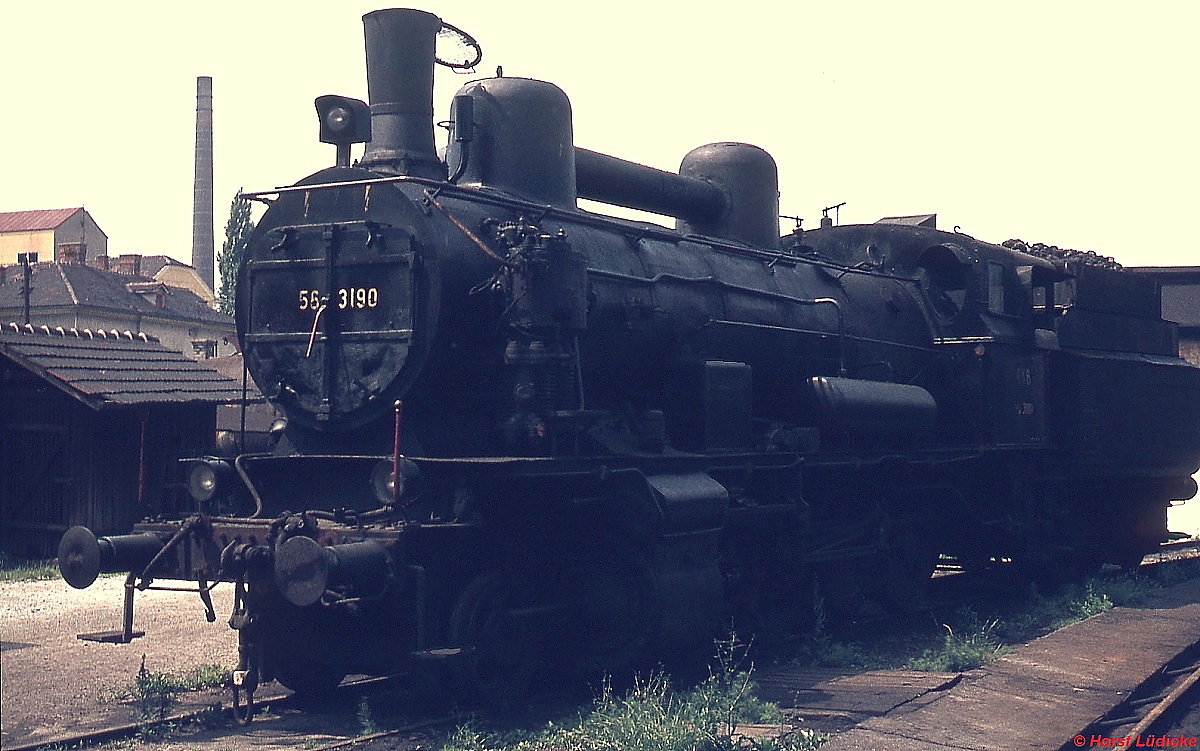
344	121
384	482
207	477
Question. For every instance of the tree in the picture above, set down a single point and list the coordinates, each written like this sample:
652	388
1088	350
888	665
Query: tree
237	237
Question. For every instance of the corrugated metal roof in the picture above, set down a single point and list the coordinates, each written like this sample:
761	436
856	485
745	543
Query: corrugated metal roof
114	371
37	219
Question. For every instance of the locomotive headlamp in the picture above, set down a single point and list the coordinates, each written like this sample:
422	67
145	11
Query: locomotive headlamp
344	121
205	477
383	480
338	121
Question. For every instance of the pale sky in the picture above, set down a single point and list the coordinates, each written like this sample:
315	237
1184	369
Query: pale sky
1071	124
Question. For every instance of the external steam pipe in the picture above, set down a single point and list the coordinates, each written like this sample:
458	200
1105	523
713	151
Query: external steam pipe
607	179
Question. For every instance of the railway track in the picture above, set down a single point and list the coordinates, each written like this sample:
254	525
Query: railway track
1147	715
222	720
1140	708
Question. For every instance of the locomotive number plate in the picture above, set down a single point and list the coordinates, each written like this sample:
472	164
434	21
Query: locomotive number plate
346	298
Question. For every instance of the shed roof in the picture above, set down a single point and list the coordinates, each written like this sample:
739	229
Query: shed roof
114	370
37	219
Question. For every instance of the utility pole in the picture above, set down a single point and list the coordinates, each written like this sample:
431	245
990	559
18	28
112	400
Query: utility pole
25	259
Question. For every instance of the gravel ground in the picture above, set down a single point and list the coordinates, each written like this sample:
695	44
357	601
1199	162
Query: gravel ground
52	683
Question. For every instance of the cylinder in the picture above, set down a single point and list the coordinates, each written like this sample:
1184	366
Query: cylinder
400	59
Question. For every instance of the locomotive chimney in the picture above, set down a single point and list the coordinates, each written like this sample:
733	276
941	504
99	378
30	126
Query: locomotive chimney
203	247
400	58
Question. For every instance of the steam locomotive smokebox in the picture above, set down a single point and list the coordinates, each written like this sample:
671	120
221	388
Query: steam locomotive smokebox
521	140
750	179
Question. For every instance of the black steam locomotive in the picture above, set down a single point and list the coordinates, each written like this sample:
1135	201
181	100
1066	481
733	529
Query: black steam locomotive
516	428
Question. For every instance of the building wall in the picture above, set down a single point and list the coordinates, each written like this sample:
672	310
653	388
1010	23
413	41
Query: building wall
81	228
186	277
12	243
78	228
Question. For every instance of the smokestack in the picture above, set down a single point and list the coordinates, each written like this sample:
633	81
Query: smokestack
203	249
400	58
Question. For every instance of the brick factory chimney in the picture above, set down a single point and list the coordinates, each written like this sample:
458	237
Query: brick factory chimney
203	248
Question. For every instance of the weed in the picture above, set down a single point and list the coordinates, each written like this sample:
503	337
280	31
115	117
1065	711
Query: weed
366	723
819	648
1091	601
153	695
966	651
201	677
14	569
1177	573
1132	588
654	715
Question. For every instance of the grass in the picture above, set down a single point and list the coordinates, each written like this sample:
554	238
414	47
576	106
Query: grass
153	694
964	639
654	715
970	649
366	719
15	570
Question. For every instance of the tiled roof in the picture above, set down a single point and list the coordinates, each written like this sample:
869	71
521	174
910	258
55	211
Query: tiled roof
114	370
68	284
151	265
38	219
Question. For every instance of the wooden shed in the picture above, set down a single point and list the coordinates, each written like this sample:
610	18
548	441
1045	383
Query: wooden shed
92	425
